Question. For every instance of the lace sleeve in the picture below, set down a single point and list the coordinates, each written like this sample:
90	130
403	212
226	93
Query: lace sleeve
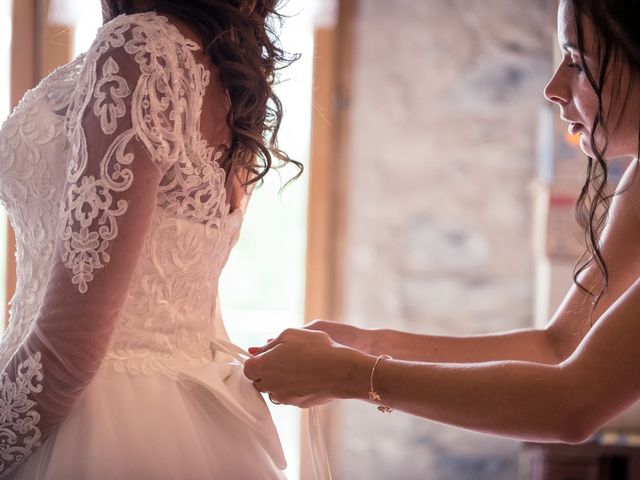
126	128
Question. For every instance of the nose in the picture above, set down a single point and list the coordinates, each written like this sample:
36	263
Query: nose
557	90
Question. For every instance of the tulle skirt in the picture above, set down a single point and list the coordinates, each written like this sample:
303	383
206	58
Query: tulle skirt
208	422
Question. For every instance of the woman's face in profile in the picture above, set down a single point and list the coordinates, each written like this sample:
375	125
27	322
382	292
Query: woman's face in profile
570	89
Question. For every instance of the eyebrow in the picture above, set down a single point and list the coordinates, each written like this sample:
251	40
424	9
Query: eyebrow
572	46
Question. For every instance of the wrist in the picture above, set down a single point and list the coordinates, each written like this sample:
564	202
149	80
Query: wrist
376	342
356	368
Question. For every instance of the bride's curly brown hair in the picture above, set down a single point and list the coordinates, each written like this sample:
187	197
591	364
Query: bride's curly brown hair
240	39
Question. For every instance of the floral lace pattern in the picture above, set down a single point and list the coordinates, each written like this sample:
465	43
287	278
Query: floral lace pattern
168	320
52	189
110	112
29	139
167	97
17	413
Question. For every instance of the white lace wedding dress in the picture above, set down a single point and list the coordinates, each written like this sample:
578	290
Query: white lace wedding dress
114	363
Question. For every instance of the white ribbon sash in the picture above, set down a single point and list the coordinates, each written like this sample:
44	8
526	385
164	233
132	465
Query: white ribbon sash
319	456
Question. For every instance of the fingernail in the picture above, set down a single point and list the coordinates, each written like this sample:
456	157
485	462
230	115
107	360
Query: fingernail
270	340
253	350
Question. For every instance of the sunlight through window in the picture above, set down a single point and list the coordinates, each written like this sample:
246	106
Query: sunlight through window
262	288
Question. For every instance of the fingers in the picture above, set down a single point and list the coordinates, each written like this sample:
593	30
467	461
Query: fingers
258	350
252	372
255	368
252	369
263	387
286	334
259	385
267	346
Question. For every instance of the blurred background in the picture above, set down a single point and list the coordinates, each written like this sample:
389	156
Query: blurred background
438	197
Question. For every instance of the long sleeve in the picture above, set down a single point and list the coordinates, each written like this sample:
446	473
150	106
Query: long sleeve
126	128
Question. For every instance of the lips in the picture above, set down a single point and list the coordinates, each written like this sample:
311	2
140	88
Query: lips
575	128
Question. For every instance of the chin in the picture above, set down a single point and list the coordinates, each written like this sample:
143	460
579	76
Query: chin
585	145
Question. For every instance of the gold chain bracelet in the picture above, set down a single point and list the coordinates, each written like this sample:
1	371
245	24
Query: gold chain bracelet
373	395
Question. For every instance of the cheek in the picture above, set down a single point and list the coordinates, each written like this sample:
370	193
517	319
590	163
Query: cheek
586	103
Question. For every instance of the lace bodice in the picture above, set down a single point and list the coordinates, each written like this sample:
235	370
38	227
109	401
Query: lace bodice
122	223
169	317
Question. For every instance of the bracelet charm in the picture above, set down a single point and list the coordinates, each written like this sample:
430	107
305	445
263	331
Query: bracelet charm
373	395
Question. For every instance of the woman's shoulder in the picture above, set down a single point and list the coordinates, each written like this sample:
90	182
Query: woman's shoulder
148	32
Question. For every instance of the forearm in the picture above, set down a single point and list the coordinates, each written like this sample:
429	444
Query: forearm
531	345
526	401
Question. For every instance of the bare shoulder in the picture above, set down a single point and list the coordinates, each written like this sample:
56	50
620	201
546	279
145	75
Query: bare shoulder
621	251
620	244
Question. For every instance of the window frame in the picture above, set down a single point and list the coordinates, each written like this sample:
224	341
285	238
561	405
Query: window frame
328	197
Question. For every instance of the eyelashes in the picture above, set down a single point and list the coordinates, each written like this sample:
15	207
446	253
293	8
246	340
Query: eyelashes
577	66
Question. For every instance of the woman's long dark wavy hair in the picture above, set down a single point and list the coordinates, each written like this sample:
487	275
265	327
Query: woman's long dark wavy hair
617	45
238	36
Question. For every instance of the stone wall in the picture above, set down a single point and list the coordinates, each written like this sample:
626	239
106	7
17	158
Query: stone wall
446	100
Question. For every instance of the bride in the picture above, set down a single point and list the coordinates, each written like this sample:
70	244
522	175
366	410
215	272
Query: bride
126	174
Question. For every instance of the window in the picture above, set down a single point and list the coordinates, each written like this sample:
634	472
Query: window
263	285
85	30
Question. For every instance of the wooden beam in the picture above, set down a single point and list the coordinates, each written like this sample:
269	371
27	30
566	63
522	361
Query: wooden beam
328	194
321	207
328	186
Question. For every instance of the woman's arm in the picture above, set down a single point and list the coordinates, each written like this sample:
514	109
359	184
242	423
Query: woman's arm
523	400
595	379
532	345
567	402
550	345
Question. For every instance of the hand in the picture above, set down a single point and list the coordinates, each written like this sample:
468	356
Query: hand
303	367
345	334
